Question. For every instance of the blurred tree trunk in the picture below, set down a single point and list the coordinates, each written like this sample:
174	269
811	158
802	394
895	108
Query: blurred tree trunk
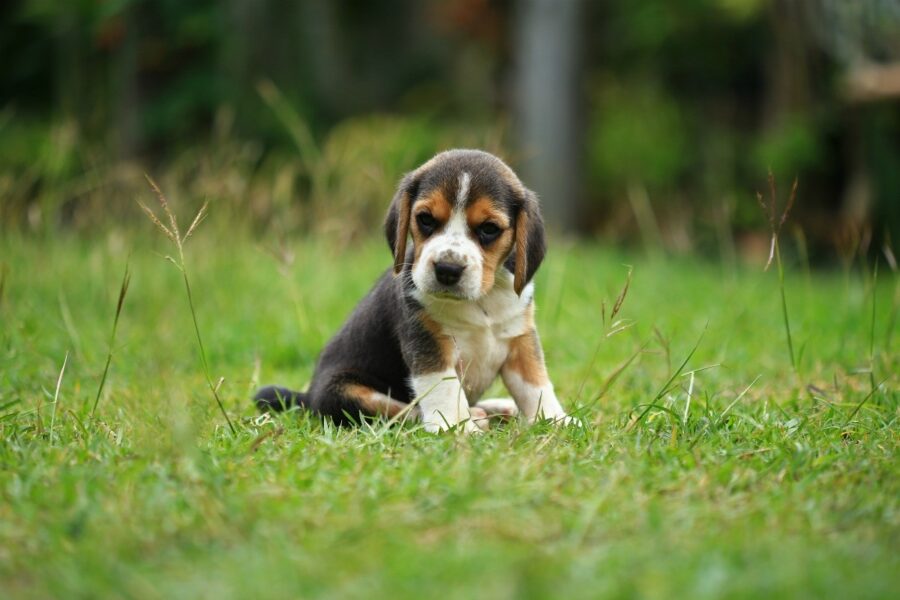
244	60
127	99
547	61
69	63
789	88
327	55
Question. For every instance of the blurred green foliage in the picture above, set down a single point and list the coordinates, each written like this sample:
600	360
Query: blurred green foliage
284	111
791	148
638	134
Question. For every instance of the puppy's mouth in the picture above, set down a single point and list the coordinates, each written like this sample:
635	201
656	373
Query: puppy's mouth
442	292
447	294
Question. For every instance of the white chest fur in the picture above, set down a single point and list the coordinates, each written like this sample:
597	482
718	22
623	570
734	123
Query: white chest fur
482	330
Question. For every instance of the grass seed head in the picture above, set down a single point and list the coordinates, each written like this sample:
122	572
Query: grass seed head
173	221
155	220
201	214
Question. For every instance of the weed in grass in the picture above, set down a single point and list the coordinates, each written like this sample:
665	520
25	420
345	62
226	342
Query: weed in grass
123	289
174	234
665	388
775	225
611	327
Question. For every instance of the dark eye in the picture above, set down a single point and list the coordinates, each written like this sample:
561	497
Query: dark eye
427	223
487	232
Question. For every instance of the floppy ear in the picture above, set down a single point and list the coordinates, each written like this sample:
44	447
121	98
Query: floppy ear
530	242
396	223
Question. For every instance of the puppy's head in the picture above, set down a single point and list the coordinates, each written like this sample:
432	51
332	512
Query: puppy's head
469	216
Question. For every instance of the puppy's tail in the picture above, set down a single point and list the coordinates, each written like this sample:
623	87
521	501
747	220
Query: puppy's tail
277	399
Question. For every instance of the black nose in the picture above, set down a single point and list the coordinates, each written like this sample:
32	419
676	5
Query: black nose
448	273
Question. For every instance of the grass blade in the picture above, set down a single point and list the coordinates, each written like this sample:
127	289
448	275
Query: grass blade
123	290
59	379
687	405
611	379
213	388
863	401
738	399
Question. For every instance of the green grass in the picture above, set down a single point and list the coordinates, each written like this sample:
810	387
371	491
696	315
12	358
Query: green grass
790	491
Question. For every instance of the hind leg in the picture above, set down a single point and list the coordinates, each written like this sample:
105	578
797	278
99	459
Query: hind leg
346	401
374	403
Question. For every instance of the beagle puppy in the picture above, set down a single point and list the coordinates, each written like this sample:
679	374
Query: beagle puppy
456	310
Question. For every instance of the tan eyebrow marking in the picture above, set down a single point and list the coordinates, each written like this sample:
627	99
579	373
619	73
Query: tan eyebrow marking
436	203
484	209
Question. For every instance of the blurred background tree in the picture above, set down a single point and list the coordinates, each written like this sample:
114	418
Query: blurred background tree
634	119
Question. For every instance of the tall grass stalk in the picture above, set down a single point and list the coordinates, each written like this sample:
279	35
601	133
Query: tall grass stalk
872	327
174	234
770	208
612	326
784	307
123	289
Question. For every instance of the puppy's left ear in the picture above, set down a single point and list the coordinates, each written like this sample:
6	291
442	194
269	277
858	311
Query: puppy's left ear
530	242
396	223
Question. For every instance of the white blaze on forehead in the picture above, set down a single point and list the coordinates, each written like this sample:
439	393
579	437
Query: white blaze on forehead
462	193
457	226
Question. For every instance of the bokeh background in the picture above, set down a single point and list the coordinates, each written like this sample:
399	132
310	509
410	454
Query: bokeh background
642	122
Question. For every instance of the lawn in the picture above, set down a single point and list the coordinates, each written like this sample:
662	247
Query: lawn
743	478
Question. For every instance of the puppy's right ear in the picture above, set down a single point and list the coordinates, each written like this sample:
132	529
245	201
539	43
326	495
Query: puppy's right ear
396	223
